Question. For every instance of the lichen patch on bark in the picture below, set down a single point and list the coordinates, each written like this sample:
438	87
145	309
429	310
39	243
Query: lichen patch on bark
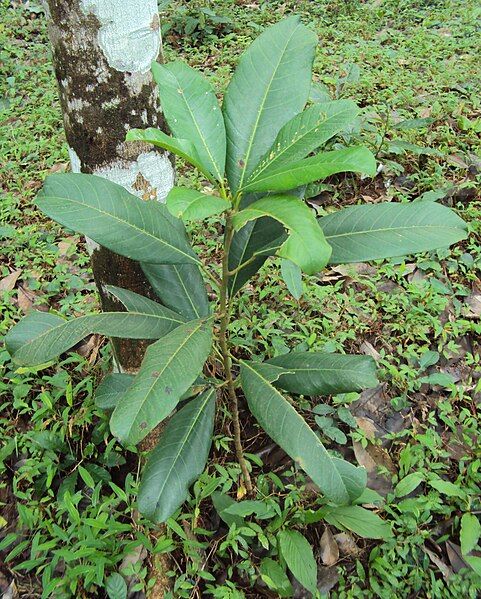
154	169
100	103
126	36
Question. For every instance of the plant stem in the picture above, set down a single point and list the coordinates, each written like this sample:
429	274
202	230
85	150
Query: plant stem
224	348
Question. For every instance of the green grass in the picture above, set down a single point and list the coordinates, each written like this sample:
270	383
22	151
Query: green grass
73	525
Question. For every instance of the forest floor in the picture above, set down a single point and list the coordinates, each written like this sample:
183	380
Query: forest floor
413	67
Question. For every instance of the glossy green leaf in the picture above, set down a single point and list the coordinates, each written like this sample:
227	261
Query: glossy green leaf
178	459
40	336
133	302
222	502
363	522
470	533
113	217
189	204
299	557
340	481
270	86
474	562
246	243
317	373
305	133
408	484
169	368
180	147
190	107
112	387
261	509
274	576
304	246
377	231
289	176
116	587
292	277
180	287
448	488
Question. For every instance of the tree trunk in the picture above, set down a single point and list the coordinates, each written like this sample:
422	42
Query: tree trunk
102	52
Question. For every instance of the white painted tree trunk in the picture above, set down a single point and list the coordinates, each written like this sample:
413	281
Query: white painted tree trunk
102	52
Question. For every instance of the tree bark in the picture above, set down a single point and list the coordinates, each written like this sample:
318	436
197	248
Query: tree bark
102	52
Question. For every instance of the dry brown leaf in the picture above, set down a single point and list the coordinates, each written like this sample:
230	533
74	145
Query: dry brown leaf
347	545
443	568
372	458
368	427
24	300
369	350
60	167
327	578
455	557
473	304
373	407
370	199
8	283
356	268
329	548
456	160
64	246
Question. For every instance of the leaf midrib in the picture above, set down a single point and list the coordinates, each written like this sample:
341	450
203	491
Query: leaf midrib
392	229
187	294
184	441
214	163
297	415
259	113
161	372
301	165
256	174
125	222
37	339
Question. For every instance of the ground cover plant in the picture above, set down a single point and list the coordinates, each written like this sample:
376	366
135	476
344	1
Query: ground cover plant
406	371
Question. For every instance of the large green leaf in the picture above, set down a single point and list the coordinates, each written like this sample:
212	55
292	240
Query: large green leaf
179	287
470	533
270	85
247	242
340	481
40	336
304	246
192	112
112	387
178	459
114	218
316	373
180	147
169	368
274	576
134	302
289	176
376	231
292	277
361	521
189	204
305	133
116	587
297	552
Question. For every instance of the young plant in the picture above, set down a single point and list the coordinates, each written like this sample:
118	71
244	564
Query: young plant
259	152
